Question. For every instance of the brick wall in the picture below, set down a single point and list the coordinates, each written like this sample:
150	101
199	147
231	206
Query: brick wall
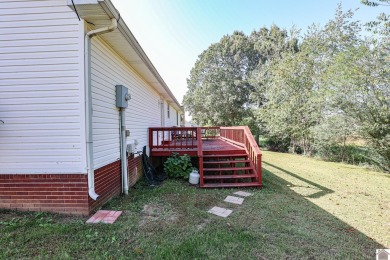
107	184
108	180
135	170
64	193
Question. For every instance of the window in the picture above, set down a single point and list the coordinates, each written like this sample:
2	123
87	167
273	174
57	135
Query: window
168	110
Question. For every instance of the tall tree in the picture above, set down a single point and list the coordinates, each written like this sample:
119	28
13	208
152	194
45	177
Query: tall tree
292	106
218	87
361	76
221	86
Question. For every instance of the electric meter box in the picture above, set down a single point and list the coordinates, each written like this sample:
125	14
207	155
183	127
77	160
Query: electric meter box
122	96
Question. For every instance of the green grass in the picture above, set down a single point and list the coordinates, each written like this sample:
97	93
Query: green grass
308	209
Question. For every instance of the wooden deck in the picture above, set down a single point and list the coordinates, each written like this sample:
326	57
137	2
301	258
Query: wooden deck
228	156
209	146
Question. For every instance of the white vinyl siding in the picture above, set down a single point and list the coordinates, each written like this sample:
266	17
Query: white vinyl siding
172	119
109	70
41	83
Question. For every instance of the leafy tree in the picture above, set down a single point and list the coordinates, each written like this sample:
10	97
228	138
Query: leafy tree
382	24
270	44
315	94
292	106
218	87
221	88
361	76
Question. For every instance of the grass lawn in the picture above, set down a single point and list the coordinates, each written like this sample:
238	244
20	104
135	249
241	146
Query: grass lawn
308	209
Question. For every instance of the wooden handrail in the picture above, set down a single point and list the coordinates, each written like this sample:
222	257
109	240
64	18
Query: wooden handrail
173	137
242	135
214	130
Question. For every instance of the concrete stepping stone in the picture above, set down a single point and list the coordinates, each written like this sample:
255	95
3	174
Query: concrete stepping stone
221	212
235	200
243	194
104	216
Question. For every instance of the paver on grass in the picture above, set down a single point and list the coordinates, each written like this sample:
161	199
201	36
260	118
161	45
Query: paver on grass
104	216
243	193
234	200
221	212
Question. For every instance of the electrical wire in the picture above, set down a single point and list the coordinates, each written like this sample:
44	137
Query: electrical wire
78	16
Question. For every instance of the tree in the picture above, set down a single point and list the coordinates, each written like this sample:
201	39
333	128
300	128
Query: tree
218	87
362	78
292	106
382	24
270	45
221	87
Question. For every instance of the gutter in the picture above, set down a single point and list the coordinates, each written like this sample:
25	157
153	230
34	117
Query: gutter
88	103
86	10
111	11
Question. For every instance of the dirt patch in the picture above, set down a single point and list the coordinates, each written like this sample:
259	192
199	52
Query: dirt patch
158	213
203	224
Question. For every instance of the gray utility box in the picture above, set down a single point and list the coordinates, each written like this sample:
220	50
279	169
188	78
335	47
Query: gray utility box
122	96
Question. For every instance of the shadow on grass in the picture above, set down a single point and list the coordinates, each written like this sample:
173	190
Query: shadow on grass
316	233
274	223
322	190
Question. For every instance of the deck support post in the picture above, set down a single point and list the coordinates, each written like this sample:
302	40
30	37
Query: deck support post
200	154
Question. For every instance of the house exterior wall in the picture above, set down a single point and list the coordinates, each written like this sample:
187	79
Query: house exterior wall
107	70
42	104
64	193
41	83
172	119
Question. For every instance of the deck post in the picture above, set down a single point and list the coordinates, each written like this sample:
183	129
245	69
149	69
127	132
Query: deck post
259	170
150	139
200	154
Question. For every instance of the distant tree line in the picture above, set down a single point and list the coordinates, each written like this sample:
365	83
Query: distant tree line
325	93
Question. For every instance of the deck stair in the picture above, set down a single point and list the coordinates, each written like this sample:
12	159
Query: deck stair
228	169
228	156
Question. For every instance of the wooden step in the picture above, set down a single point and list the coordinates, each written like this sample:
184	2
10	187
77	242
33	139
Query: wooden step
229	161
232	176
225	152
231	185
227	169
224	155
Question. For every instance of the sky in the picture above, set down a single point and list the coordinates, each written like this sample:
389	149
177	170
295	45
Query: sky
173	33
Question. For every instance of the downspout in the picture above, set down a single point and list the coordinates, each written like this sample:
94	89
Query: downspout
88	103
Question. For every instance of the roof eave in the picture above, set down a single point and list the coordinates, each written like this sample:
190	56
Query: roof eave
112	12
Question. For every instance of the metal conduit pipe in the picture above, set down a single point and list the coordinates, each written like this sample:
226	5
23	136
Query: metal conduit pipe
125	181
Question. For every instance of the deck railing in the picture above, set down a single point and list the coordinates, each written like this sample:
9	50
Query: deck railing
242	136
173	137
210	132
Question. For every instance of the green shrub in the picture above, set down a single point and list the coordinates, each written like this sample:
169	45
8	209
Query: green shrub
178	166
351	154
274	144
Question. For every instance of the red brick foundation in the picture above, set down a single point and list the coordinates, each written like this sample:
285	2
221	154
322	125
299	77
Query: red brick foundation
64	193
108	181
107	184
134	170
